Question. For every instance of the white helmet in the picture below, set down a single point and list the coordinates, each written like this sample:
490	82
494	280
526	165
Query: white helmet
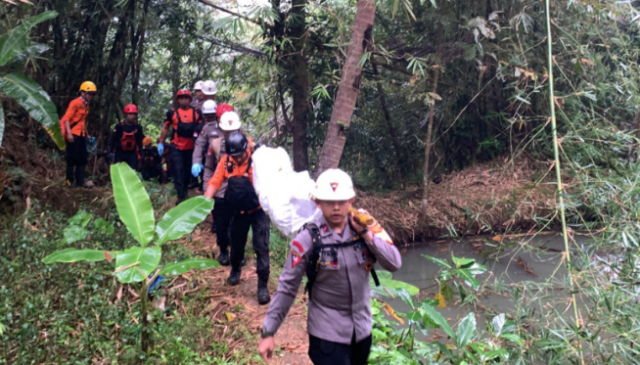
209	107
230	121
198	85
334	185
209	87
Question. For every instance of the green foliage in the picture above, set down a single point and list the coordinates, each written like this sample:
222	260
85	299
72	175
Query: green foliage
26	92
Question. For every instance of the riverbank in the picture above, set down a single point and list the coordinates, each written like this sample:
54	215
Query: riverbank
487	198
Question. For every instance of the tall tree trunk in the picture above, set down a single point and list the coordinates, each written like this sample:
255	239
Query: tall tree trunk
349	87
299	87
428	145
387	118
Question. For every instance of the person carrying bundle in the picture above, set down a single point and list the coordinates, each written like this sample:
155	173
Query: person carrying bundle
210	143
336	253
126	138
236	170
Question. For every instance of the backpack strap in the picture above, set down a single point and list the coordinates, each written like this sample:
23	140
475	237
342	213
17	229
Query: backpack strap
249	165
314	260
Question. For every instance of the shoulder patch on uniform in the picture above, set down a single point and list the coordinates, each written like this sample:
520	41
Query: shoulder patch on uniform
295	258
298	245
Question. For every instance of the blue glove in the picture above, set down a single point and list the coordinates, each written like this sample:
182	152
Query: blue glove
196	169
160	149
92	140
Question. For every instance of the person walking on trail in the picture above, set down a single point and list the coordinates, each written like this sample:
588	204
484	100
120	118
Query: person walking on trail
185	123
208	91
336	253
236	170
126	138
206	154
73	126
199	96
150	160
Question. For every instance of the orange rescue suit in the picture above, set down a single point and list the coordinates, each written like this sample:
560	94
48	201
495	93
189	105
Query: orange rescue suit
76	115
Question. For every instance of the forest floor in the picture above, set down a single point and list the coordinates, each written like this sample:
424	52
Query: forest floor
238	306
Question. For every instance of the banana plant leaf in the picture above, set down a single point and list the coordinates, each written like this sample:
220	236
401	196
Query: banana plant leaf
133	203
74	255
16	40
182	219
35	101
179	268
386	281
136	263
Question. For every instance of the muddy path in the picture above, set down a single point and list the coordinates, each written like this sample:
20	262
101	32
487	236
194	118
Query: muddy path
235	310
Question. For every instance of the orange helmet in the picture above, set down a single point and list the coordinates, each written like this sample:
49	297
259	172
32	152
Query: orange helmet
184	92
223	108
147	141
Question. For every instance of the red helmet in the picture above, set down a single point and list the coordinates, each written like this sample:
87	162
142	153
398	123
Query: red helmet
223	108
184	92
131	109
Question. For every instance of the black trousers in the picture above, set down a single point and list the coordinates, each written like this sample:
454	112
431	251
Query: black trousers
260	223
130	157
323	352
76	160
181	166
221	223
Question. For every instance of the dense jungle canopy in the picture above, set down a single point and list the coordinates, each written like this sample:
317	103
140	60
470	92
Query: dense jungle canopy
440	110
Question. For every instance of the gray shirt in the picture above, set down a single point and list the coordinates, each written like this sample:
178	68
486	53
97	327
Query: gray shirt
210	146
339	302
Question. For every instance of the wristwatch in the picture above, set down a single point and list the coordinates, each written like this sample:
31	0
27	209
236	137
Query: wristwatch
264	333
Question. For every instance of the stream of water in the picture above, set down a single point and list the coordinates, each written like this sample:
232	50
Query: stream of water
535	259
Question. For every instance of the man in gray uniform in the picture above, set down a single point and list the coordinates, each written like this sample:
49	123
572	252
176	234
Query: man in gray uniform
210	144
339	316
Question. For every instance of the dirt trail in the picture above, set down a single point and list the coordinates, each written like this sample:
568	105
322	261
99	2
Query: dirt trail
242	304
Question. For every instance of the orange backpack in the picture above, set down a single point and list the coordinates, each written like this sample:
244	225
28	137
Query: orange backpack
128	141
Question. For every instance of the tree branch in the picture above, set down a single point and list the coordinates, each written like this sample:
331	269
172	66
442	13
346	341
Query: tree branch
232	46
205	2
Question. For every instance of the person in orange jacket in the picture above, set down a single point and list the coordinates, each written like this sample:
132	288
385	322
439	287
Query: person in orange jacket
186	123
126	139
73	125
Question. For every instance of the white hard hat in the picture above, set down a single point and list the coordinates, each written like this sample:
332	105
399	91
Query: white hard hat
334	185
209	87
209	107
198	85
230	121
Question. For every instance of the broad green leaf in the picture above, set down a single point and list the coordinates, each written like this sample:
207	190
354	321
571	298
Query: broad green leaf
136	263
102	225
16	40
73	255
81	218
438	261
179	268
497	323
438	319
74	234
469	278
406	298
29	95
513	338
462	262
182	219
133	203
466	330
395	284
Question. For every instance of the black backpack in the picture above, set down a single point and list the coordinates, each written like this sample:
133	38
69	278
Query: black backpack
240	194
314	260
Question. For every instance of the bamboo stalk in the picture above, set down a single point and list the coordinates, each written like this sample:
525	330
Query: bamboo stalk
556	156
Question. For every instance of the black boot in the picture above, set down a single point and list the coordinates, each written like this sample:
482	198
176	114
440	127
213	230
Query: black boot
234	278
263	291
223	258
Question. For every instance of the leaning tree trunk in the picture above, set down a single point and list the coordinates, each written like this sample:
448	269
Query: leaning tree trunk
345	102
428	144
